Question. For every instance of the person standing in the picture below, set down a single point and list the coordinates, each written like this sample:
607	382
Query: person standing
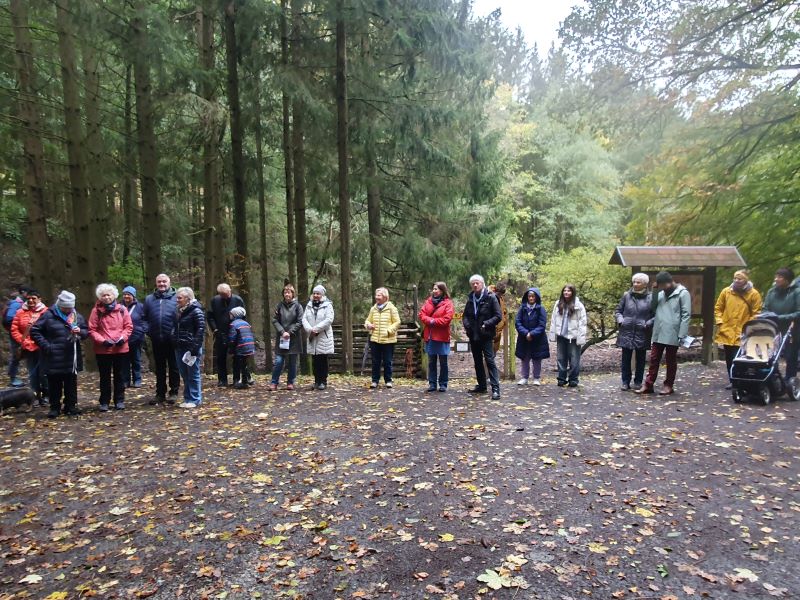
318	325
218	317
436	315
288	323
58	333
159	313
189	328
635	321
21	326
14	303
132	374
568	330
735	306
242	346
382	322
481	317
110	327
783	299
672	306
532	346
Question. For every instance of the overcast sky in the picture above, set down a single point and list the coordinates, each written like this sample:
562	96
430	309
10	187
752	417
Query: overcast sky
538	19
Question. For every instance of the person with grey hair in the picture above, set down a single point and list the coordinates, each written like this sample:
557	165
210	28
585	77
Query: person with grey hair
110	327
318	325
218	317
188	333
480	319
159	314
634	321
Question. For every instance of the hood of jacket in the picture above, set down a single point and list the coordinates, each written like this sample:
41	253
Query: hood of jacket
535	290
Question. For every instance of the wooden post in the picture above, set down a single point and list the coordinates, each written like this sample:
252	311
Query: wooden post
707	311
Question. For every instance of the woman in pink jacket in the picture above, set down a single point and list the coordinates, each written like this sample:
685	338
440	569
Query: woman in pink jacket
110	326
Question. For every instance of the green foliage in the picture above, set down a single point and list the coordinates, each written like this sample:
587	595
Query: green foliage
12	221
127	273
599	286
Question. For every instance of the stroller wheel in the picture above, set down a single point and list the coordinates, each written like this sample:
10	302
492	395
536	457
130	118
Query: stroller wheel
793	386
737	395
765	395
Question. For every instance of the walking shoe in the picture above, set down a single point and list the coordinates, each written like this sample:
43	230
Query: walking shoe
389	384
573	384
495	394
290	386
666	390
137	384
104	408
477	390
17	382
562	384
273	387
240	385
322	386
157	400
625	387
119	405
44	401
373	385
522	381
645	389
443	389
222	383
74	412
187	405
537	382
53	414
431	388
172	397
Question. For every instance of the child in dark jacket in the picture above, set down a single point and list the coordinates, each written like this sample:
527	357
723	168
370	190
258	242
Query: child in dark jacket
242	345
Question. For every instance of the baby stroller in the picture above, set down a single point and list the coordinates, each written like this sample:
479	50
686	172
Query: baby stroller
756	369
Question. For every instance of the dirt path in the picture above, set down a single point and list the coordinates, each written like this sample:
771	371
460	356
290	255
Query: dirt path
548	493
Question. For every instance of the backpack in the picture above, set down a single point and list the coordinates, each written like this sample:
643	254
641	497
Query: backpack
10	309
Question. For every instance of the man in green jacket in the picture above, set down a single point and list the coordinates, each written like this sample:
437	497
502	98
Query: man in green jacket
783	299
673	309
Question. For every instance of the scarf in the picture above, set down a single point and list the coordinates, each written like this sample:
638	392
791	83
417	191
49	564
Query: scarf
381	306
476	299
316	303
68	319
110	307
741	288
436	300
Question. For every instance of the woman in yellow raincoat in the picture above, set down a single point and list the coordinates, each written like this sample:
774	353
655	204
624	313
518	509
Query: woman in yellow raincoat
736	305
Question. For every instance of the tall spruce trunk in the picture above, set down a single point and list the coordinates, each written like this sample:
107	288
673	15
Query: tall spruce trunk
344	193
374	218
129	205
266	312
99	216
287	143
300	199
242	259
83	271
213	257
146	143
35	185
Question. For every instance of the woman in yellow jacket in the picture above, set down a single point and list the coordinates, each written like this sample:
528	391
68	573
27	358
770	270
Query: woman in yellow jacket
382	322
736	305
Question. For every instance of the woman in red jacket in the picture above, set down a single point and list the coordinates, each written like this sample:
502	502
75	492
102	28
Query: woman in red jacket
24	320
110	326
436	315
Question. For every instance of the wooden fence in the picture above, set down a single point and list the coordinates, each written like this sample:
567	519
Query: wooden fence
407	351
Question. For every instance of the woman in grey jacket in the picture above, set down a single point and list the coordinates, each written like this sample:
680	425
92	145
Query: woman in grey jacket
318	322
634	319
288	323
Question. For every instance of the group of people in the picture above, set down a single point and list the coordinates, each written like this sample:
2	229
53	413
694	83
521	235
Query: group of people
654	318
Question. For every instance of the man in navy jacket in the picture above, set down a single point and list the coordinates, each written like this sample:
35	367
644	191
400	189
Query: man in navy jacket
160	311
481	317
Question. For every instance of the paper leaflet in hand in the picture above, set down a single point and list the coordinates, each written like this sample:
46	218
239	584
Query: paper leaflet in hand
189	359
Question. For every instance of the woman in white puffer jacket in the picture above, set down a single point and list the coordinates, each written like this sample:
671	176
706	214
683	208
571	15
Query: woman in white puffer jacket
568	330
318	321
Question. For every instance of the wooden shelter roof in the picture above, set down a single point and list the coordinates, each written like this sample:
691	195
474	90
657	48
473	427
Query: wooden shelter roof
677	256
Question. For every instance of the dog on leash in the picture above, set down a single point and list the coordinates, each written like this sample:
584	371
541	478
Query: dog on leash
15	398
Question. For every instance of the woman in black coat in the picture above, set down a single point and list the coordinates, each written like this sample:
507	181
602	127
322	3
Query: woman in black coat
532	345
58	333
187	336
635	320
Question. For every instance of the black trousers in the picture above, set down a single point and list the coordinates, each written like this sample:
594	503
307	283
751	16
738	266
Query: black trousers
108	364
240	370
221	356
165	360
730	354
319	364
66	384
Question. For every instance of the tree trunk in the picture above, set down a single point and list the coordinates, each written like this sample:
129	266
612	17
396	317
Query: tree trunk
300	200
242	259
344	193
266	321
287	146
83	272
146	142
213	257
99	217
129	168
374	218
33	152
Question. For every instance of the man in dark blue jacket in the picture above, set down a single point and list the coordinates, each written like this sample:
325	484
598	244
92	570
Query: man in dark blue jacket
219	319
160	313
14	303
481	317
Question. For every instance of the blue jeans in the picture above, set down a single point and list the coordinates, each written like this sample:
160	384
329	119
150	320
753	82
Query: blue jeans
483	350
568	358
38	381
444	371
382	354
13	361
192	384
641	361
278	368
133	370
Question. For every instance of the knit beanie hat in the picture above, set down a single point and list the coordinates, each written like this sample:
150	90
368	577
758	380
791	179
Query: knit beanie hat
130	290
663	277
238	312
65	300
320	289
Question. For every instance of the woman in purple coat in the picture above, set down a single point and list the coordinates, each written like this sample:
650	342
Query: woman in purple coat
532	345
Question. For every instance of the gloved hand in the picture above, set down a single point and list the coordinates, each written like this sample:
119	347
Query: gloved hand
108	343
120	341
